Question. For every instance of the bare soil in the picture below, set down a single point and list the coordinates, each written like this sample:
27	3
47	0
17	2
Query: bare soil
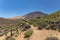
39	34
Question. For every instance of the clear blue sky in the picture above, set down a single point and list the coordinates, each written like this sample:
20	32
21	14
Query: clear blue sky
10	8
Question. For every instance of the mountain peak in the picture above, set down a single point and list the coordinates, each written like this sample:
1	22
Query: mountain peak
33	15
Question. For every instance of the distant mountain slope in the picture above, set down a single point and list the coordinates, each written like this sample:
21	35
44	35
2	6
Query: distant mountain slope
6	23
17	18
55	15
33	15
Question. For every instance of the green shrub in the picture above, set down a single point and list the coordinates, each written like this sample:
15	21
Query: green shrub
28	33
47	27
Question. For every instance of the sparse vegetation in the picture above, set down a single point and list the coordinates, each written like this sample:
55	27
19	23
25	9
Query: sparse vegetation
51	21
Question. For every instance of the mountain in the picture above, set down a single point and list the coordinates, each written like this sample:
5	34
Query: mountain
17	18
33	15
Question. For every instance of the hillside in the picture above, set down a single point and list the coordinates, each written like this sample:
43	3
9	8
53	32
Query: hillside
54	15
50	21
42	26
7	23
33	15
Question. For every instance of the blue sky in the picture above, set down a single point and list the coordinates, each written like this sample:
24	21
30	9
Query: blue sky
11	8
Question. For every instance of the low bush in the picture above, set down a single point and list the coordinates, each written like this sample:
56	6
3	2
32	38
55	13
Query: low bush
28	33
10	38
26	27
58	30
51	38
42	26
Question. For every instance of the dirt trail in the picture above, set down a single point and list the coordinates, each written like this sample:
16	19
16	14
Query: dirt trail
20	36
39	34
35	34
43	34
